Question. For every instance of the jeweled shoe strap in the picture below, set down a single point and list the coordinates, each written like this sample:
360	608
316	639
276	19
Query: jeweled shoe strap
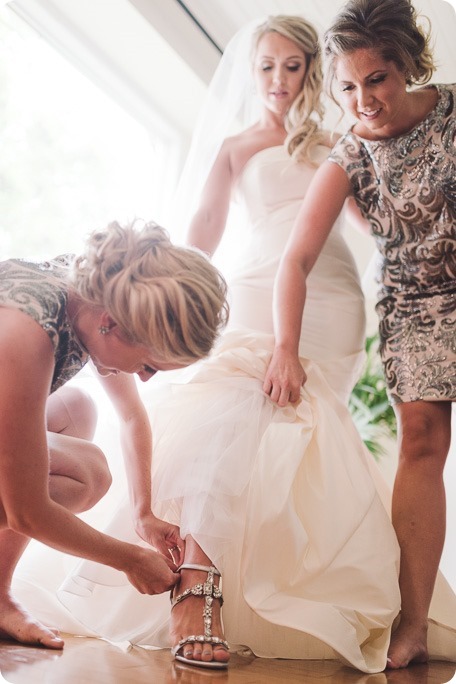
207	590
203	568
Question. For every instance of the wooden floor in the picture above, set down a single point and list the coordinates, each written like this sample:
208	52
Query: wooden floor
84	661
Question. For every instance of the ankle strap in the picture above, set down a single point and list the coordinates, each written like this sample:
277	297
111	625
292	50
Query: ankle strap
203	568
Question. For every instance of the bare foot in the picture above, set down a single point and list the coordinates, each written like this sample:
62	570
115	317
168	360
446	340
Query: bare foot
187	619
408	645
17	624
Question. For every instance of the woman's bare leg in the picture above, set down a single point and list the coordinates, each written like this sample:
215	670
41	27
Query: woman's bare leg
71	411
78	478
187	616
419	519
15	622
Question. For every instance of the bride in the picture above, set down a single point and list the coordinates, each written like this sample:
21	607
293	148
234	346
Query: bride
284	503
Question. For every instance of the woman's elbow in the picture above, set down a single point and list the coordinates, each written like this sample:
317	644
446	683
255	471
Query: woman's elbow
294	264
25	520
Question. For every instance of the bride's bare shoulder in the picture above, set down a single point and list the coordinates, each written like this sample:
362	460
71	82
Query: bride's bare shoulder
244	138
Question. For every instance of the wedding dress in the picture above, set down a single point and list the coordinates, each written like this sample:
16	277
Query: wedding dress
286	502
281	500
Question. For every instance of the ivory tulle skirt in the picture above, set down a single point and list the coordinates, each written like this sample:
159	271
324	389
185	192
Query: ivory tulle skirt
283	502
287	503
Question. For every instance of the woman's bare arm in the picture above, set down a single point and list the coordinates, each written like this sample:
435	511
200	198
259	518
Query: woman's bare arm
26	368
136	440
208	223
319	210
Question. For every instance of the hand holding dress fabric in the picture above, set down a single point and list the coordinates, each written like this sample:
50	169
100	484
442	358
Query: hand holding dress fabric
162	536
284	378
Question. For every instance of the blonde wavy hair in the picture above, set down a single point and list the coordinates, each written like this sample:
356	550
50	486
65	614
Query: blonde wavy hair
168	298
305	116
389	26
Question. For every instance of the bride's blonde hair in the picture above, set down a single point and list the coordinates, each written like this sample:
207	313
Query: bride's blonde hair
304	118
168	298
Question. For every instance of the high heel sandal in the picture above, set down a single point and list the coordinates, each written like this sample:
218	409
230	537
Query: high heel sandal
209	591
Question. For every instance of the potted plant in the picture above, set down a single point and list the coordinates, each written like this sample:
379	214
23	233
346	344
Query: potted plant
372	413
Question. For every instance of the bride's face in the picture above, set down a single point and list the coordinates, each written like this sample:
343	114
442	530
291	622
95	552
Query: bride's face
279	68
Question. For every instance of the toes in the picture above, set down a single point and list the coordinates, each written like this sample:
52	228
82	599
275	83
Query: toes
16	623
51	641
206	653
198	651
220	654
217	653
391	664
188	653
41	636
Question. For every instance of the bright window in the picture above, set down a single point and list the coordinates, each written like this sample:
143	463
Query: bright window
71	159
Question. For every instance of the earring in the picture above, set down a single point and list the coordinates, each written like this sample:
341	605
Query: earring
103	329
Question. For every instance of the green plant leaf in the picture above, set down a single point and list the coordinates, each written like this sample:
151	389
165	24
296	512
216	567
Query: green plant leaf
372	413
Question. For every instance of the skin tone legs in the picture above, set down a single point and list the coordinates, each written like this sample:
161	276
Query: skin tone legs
419	520
79	477
187	616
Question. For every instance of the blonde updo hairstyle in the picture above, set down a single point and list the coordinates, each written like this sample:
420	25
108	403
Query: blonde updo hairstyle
304	118
168	298
389	26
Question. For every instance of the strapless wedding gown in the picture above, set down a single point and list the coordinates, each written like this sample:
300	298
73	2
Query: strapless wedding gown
286	502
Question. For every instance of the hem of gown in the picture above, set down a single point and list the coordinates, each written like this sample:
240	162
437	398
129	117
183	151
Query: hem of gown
396	400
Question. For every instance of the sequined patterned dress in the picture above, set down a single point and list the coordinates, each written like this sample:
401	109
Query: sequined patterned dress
406	188
39	289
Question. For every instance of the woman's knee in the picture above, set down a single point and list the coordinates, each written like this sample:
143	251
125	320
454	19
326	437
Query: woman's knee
425	431
98	477
72	411
79	472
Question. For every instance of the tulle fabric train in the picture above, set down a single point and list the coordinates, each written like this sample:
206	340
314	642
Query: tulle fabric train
287	503
282	501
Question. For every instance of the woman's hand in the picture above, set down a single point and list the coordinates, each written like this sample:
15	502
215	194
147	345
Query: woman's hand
284	378
163	536
150	572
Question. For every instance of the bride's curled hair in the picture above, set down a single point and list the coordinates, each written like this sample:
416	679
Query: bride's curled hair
304	118
168	298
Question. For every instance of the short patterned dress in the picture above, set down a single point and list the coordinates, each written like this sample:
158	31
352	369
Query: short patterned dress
406	188
40	290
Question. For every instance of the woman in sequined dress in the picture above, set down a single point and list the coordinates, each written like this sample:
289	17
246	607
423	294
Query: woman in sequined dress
133	303
398	161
